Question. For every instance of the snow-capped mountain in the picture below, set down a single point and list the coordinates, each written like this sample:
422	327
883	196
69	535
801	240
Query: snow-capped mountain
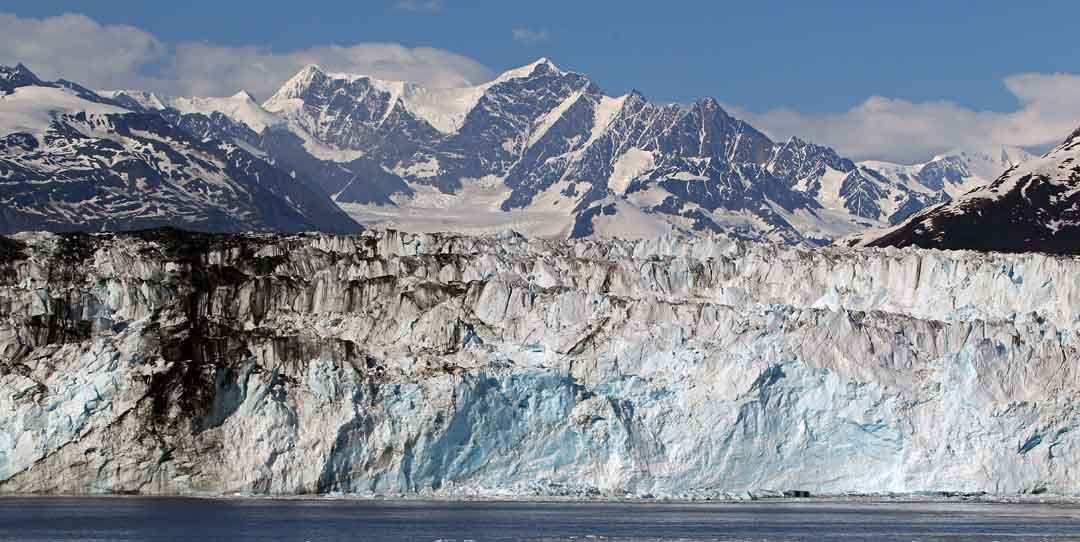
71	159
240	107
544	151
1034	206
955	172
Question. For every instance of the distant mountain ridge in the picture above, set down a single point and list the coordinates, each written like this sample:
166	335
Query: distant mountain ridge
956	172
74	160
1034	206
543	151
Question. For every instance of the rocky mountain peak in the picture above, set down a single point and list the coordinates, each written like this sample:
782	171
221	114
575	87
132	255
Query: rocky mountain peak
137	100
539	68
298	84
243	96
13	77
18	71
710	104
537	127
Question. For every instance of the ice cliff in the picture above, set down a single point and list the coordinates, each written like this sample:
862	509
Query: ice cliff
387	363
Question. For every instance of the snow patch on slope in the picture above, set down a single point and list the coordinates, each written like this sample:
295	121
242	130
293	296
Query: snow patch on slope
525	71
475	209
444	109
240	107
831	183
605	113
32	109
632	163
630	222
420	170
396	90
553	116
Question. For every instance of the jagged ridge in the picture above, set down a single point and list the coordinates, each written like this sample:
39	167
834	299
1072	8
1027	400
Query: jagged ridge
72	160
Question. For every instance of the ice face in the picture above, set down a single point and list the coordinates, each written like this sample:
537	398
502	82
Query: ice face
393	363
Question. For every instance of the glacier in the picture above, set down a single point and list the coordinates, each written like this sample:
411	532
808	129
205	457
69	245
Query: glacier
399	364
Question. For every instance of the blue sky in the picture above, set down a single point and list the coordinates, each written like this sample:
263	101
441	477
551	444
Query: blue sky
763	59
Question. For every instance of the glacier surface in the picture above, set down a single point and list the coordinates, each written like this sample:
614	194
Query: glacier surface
445	365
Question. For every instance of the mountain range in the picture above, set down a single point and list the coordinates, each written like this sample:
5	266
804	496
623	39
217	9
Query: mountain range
538	150
1034	206
74	160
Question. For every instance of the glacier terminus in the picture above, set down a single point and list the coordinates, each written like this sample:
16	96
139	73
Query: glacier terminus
447	365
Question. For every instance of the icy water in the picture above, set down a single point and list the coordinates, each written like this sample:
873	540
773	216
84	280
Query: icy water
160	520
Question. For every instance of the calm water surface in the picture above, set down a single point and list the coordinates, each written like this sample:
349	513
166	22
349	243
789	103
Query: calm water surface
161	520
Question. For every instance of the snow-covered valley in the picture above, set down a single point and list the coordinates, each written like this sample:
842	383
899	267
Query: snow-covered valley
447	365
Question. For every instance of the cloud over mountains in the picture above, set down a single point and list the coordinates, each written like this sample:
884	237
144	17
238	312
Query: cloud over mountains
103	56
107	56
903	131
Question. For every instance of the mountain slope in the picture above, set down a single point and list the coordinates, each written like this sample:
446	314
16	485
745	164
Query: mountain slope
73	160
1034	206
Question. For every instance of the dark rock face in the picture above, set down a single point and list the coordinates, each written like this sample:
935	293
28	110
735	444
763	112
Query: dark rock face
863	195
1034	207
362	180
938	172
798	159
12	78
10	249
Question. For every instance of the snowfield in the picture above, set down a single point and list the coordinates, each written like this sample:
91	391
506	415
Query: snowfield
32	110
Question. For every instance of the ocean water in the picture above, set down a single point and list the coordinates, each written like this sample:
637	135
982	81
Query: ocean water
318	520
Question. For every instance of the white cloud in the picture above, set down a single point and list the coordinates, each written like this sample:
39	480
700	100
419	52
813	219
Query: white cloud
528	35
78	48
904	131
420	6
207	67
